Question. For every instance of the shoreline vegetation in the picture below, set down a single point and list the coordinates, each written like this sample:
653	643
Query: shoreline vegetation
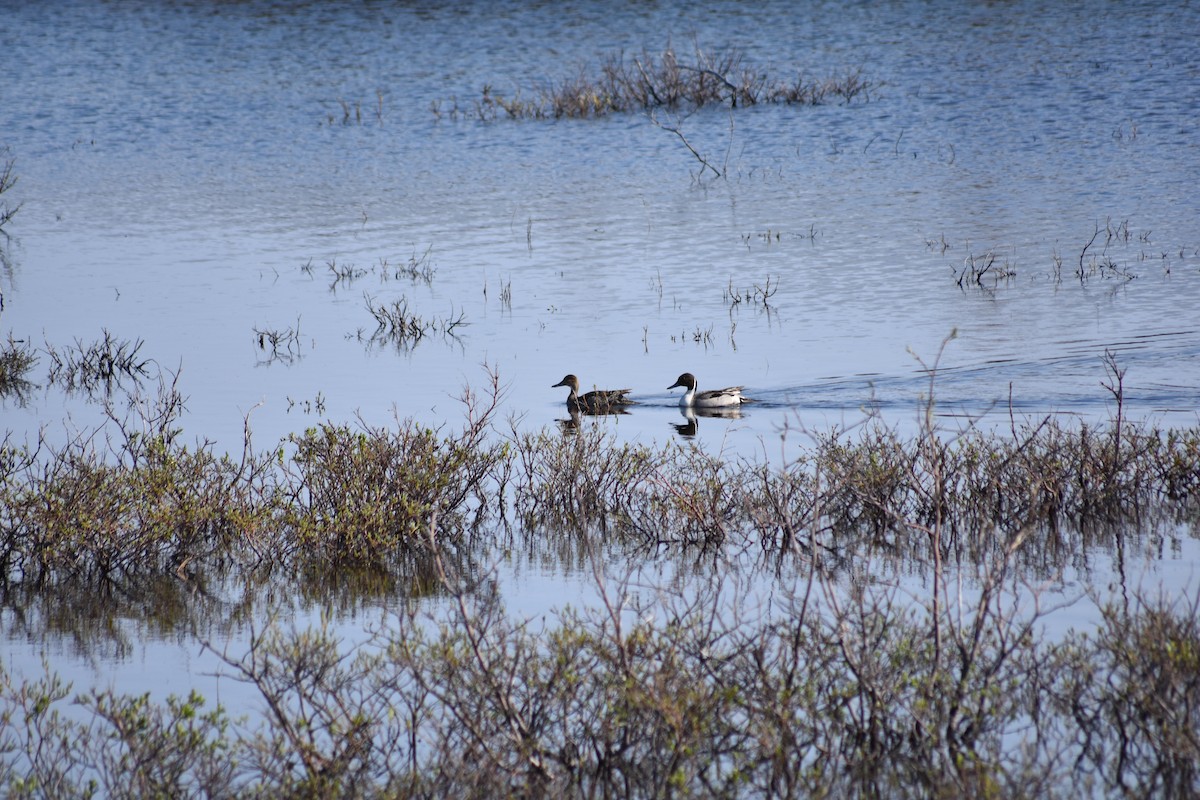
839	684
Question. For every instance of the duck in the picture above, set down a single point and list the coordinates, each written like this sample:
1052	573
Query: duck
712	398
601	400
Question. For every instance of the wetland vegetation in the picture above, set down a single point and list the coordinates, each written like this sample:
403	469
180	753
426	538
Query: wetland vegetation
795	674
17	359
778	664
975	603
672	81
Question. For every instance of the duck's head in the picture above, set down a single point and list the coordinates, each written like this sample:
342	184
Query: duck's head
687	380
569	380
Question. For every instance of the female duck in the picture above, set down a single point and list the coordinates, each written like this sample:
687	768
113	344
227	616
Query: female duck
713	398
598	400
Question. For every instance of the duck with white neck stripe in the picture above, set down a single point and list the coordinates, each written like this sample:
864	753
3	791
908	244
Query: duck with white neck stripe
711	398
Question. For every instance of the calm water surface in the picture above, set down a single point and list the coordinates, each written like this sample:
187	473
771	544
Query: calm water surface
188	174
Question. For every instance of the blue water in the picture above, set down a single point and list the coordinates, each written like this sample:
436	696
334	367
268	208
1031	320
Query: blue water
181	164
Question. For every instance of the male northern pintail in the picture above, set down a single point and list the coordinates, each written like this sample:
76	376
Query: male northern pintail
599	400
713	398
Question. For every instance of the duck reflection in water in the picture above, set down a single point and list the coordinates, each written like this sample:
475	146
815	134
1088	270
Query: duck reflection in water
571	425
688	428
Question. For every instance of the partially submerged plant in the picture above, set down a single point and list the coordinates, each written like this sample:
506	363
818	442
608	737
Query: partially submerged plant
133	502
978	269
396	324
103	364
339	274
366	494
17	358
1099	258
418	268
358	491
578	482
280	344
670	81
757	295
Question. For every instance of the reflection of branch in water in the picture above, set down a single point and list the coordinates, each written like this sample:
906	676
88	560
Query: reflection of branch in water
17	358
18	389
405	344
88	613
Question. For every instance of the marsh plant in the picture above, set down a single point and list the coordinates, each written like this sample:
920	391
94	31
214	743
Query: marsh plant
132	502
984	271
314	406
782	658
17	359
672	80
418	268
580	482
363	494
279	344
759	295
1112	254
395	323
103	365
352	112
339	273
